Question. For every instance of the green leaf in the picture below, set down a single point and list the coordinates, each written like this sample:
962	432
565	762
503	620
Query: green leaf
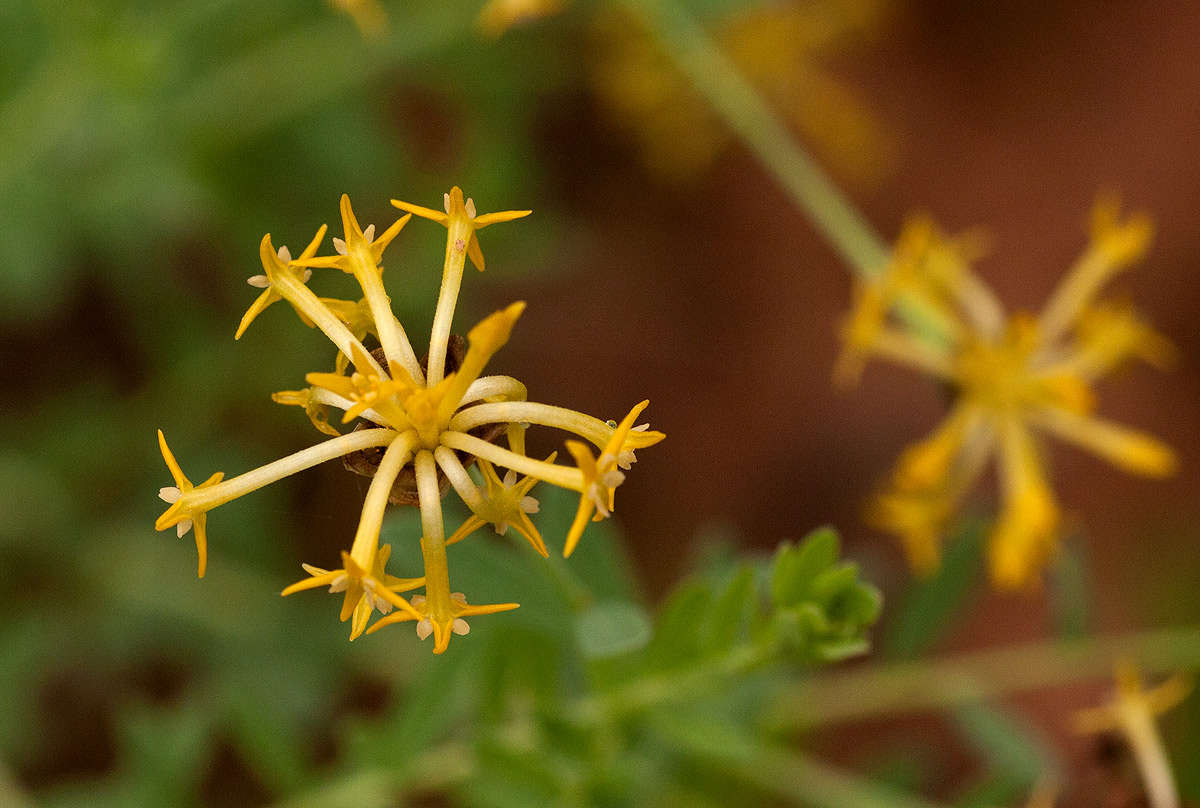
612	627
1070	590
929	606
676	635
1010	746
795	567
733	612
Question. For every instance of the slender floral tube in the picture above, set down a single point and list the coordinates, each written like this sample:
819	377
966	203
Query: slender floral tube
366	539
300	296
396	345
552	473
433	542
207	498
587	427
456	473
906	350
494	387
323	396
458	233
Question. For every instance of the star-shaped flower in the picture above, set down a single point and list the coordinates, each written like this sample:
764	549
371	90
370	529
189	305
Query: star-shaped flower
504	503
462	222
441	622
179	515
600	477
276	265
364	591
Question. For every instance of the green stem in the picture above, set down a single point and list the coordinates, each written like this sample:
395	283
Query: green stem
981	676
744	111
802	780
667	687
747	114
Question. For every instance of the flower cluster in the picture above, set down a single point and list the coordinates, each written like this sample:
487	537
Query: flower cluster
418	426
1013	377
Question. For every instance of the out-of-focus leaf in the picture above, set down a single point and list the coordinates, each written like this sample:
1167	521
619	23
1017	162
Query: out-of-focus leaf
926	610
612	627
796	566
1014	753
1070	590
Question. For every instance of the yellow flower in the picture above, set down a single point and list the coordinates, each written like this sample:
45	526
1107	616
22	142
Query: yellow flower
365	590
1132	713
503	504
368	16
461	221
428	420
1015	376
357	317
600	477
780	48
275	265
498	16
441	623
181	515
315	408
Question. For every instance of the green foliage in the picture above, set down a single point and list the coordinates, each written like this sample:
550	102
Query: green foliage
579	698
928	608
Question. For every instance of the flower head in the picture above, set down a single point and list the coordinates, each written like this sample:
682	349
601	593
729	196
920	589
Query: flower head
1015	377
422	423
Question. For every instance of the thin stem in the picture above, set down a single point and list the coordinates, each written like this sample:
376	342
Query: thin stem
664	688
562	476
205	499
1152	759
366	538
850	695
458	233
587	427
744	111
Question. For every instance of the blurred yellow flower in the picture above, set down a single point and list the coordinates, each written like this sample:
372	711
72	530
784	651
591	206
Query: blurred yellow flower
1132	713
430	419
1014	376
368	15
780	48
498	16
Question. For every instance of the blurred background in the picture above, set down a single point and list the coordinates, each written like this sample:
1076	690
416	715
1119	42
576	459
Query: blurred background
145	148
